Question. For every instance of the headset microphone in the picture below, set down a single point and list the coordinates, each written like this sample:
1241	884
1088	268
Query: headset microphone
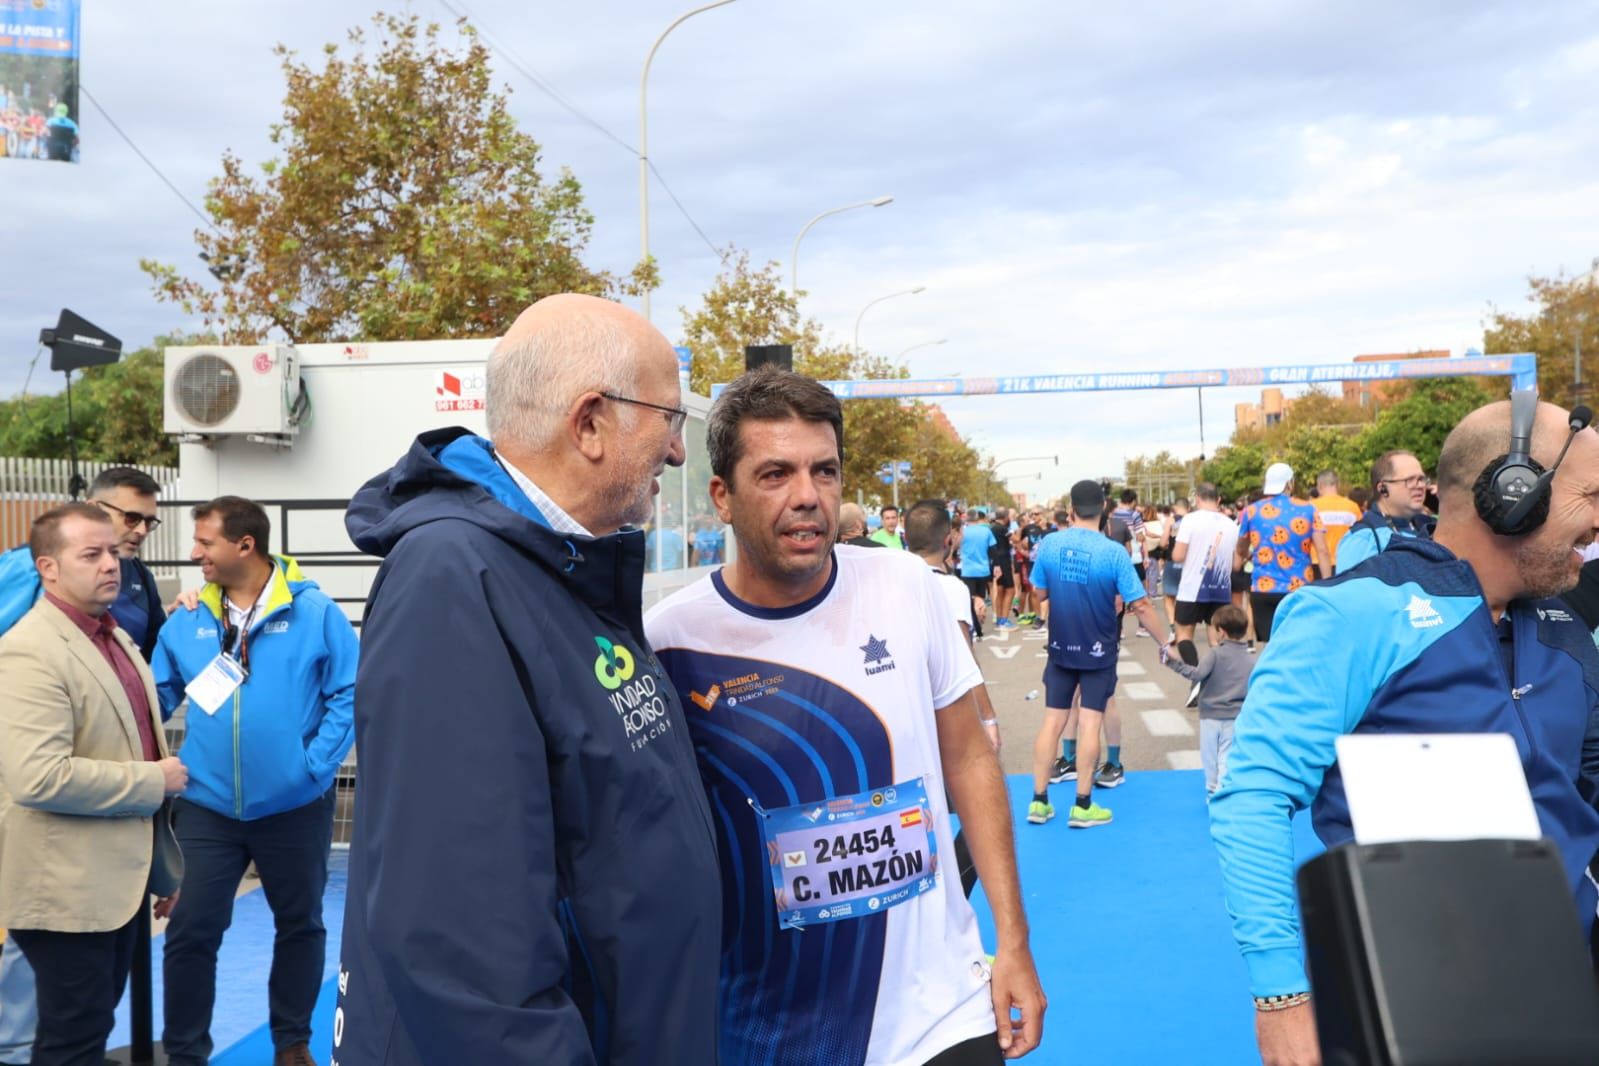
1531	498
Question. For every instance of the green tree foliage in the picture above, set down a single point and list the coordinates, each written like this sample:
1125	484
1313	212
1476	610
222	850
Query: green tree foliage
749	305
1237	469
1567	313
404	205
1421	420
116	414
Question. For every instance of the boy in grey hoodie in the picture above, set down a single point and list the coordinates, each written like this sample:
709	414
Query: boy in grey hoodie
1223	676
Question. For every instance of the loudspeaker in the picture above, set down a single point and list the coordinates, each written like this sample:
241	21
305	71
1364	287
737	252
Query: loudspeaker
778	355
76	343
1447	953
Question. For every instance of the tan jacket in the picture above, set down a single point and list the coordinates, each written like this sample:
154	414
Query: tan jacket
76	795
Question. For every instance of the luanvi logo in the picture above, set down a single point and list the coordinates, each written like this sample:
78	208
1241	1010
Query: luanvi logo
878	658
1422	615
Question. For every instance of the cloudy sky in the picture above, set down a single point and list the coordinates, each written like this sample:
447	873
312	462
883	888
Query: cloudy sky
1079	187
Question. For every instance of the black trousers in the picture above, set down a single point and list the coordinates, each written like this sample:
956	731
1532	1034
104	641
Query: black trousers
978	1051
79	977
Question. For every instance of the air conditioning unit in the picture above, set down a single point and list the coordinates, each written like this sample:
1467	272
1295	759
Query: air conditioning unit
237	390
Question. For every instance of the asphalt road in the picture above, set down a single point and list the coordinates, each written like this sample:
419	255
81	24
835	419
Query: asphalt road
1157	733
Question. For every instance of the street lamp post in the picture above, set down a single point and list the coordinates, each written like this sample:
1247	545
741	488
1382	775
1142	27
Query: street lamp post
924	344
793	263
1028	459
880	299
644	139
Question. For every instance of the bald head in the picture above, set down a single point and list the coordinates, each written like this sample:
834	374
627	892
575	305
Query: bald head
851	521
559	348
1482	437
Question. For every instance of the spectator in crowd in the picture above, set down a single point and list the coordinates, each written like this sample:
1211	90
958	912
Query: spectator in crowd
852	527
976	567
709	542
128	496
1399	497
267	663
1338	514
1223	679
889	534
503	657
84	771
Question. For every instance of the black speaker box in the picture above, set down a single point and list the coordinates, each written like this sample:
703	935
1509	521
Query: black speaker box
1448	953
779	355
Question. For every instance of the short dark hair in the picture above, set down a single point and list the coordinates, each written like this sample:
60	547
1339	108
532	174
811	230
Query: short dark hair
240	518
1063	517
766	394
124	477
1360	496
1383	467
883	510
44	536
926	525
1206	491
1129	496
1231	620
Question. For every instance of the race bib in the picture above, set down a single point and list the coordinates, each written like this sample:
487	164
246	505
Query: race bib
850	856
215	684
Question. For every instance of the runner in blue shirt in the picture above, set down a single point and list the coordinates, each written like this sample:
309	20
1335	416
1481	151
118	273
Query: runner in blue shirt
1080	572
977	570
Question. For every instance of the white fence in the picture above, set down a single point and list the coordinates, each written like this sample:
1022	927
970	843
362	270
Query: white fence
29	487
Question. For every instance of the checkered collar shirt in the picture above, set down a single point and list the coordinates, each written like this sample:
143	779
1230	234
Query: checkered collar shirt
558	519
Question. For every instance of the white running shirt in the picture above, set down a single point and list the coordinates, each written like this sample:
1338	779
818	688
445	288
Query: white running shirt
794	706
1212	538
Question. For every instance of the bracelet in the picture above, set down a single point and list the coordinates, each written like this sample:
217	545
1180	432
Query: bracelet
988	721
1283	1002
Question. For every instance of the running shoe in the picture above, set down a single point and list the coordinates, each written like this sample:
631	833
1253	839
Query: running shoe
1039	813
1065	770
1090	818
1193	696
1111	775
1004	623
1039	623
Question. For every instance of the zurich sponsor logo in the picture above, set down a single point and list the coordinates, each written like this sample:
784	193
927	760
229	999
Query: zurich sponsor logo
205	631
1422	615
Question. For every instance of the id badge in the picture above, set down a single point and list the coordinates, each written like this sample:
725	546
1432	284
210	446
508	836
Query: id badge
850	856
215	684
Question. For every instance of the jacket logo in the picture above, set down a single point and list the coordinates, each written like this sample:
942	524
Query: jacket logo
276	627
878	658
1422	615
707	701
614	664
1097	649
1553	614
201	632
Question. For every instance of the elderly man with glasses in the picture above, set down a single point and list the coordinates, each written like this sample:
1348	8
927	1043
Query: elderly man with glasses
1398	509
128	497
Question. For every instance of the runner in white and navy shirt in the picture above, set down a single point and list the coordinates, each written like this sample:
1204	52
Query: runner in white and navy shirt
829	700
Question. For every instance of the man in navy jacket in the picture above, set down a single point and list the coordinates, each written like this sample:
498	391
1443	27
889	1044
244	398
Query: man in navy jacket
533	877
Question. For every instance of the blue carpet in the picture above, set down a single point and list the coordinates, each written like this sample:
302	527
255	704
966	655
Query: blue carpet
1131	939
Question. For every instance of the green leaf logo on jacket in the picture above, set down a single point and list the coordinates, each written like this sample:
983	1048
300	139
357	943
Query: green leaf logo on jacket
614	665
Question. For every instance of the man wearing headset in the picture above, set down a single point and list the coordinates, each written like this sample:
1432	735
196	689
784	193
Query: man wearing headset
1398	509
1458	634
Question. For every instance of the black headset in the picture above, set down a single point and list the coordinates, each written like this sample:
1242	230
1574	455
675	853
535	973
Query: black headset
1512	492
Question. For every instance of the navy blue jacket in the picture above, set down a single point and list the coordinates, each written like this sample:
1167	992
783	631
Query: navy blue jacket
1375	531
1403	644
533	877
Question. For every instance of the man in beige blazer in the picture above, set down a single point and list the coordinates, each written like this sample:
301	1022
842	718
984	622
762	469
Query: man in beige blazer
84	768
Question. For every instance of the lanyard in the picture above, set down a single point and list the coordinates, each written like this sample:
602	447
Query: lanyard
238	637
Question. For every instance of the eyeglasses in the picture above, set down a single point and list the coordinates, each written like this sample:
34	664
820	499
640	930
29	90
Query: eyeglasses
1415	481
131	519
675	416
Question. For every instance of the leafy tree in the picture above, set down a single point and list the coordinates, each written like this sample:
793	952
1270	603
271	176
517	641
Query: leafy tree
404	205
1237	469
749	305
1568	313
1420	422
116	414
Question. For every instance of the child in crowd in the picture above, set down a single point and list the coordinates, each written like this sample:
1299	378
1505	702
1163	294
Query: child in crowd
1223	676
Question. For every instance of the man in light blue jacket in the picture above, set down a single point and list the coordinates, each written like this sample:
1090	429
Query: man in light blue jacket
267	663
